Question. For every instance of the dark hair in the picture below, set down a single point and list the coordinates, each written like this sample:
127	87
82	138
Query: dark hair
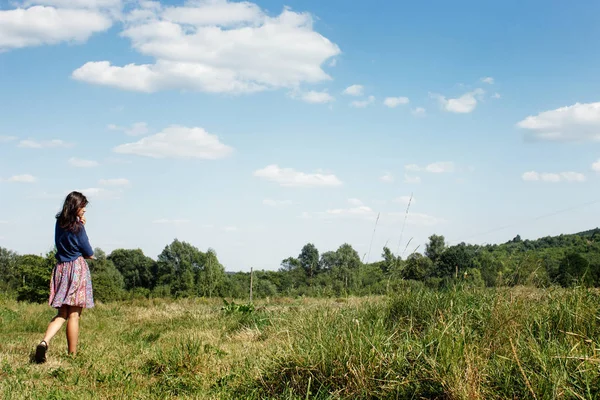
67	218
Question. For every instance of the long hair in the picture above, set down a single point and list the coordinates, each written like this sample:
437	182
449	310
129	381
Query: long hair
68	218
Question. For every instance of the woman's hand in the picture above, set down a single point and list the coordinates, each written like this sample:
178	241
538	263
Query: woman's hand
82	219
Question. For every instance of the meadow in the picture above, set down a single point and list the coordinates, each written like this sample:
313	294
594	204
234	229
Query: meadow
456	343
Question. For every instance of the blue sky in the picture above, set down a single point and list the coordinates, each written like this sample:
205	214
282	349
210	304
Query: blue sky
256	127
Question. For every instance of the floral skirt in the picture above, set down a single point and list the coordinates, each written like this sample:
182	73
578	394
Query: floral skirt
71	284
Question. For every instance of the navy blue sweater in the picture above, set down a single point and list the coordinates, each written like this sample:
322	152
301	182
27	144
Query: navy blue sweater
70	245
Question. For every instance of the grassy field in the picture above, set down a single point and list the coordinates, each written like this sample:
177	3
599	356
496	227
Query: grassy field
417	343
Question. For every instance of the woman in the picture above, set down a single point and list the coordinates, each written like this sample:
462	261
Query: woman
71	283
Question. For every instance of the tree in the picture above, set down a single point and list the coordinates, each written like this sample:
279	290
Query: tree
345	268
107	281
177	265
328	260
309	259
8	271
417	267
390	261
435	247
574	269
490	267
289	264
210	276
34	273
454	260
348	257
136	268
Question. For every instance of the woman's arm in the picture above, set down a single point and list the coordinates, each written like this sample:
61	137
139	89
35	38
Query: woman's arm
84	244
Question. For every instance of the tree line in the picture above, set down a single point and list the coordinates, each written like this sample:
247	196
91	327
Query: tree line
182	270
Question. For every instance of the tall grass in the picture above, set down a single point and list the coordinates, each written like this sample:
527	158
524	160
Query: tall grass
454	344
417	343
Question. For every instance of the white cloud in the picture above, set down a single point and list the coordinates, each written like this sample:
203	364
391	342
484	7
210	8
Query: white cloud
463	104
436	167
496	96
418	112
292	178
422	219
363	103
43	144
136	129
596	166
93	4
49	22
579	123
412	179
364	212
219	13
216	46
354	90
114	182
553	177
315	97
170	221
178	142
387	177
24	178
355	202
405	199
531	176
276	203
81	163
6	139
230	228
393	102
440	167
489	80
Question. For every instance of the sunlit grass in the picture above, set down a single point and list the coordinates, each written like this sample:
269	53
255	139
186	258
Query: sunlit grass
416	343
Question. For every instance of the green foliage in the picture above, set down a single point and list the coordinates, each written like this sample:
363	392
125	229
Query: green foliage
574	270
232	307
8	272
188	271
137	269
210	276
390	262
264	287
417	267
182	270
435	248
454	261
34	272
107	281
309	259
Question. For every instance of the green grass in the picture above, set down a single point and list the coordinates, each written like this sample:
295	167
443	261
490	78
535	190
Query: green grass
417	343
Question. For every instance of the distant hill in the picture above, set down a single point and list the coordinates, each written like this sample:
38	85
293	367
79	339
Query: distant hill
590	233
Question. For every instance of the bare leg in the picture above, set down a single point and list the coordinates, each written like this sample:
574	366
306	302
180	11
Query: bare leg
73	328
56	323
53	327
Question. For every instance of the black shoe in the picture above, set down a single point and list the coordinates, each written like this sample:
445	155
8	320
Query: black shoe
40	352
